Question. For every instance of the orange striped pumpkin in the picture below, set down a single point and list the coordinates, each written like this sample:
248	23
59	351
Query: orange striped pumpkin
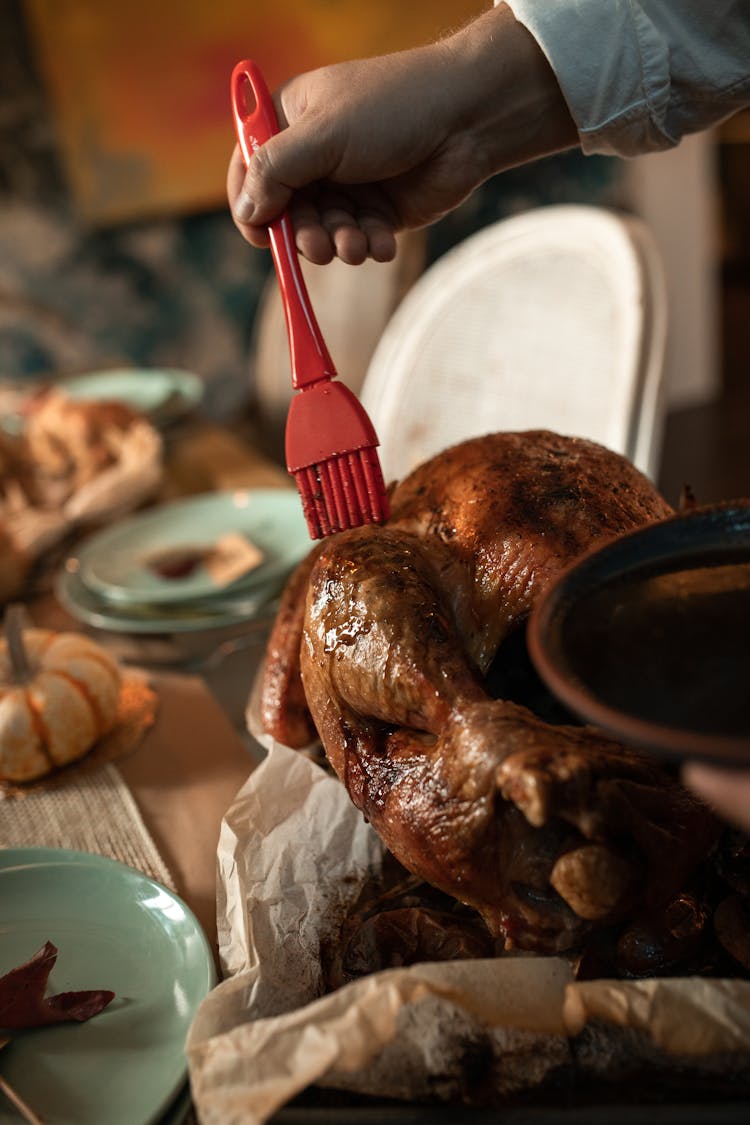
57	706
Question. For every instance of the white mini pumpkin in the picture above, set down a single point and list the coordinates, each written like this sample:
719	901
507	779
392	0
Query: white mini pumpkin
59	693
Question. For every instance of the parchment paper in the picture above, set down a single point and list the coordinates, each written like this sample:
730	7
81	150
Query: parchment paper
292	857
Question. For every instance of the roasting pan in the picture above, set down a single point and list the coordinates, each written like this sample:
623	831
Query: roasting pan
638	1101
648	637
647	1113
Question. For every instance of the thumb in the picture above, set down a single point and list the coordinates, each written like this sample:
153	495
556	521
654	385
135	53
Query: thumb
292	159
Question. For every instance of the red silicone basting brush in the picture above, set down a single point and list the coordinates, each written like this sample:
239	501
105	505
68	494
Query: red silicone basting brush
331	445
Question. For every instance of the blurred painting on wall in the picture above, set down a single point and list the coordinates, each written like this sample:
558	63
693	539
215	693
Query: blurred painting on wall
140	91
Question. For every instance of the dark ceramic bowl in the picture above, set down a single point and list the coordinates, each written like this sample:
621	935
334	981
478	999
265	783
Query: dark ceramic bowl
648	637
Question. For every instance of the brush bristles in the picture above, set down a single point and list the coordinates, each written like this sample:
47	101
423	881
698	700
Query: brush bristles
345	491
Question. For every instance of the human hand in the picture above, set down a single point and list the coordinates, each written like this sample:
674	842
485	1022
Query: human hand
370	147
727	791
351	166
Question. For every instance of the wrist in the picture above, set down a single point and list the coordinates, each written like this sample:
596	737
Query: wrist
509	105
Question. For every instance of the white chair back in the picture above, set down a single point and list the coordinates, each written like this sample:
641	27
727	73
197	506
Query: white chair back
553	319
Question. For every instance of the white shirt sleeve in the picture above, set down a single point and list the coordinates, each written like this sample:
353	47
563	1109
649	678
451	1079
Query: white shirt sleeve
639	74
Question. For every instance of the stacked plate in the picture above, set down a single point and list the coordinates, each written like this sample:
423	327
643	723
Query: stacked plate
119	579
163	395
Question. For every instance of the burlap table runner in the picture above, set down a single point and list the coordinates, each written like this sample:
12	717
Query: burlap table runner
92	812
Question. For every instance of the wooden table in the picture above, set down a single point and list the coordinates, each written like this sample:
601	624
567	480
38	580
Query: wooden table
186	770
184	776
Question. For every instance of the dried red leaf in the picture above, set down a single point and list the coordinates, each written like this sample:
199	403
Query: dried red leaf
22	1002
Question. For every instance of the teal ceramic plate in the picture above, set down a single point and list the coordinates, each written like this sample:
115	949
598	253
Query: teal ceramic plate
92	610
115	563
114	928
162	394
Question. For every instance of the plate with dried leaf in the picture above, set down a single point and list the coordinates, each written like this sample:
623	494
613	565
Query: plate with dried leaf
111	928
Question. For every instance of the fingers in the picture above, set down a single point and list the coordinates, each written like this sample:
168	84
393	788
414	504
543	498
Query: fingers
312	237
333	233
345	225
328	223
381	239
727	791
348	239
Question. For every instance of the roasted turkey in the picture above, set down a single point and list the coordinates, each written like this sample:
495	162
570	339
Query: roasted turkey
382	648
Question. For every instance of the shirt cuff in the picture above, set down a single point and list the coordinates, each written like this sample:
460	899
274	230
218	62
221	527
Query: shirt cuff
612	65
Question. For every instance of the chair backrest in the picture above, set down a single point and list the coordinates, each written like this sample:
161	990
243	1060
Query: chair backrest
553	319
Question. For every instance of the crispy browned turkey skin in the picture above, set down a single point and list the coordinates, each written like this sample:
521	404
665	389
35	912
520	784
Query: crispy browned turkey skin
382	645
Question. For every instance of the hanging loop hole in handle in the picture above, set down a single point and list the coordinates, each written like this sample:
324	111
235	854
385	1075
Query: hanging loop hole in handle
254	113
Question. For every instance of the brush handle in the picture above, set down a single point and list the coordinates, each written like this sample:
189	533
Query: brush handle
255	122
